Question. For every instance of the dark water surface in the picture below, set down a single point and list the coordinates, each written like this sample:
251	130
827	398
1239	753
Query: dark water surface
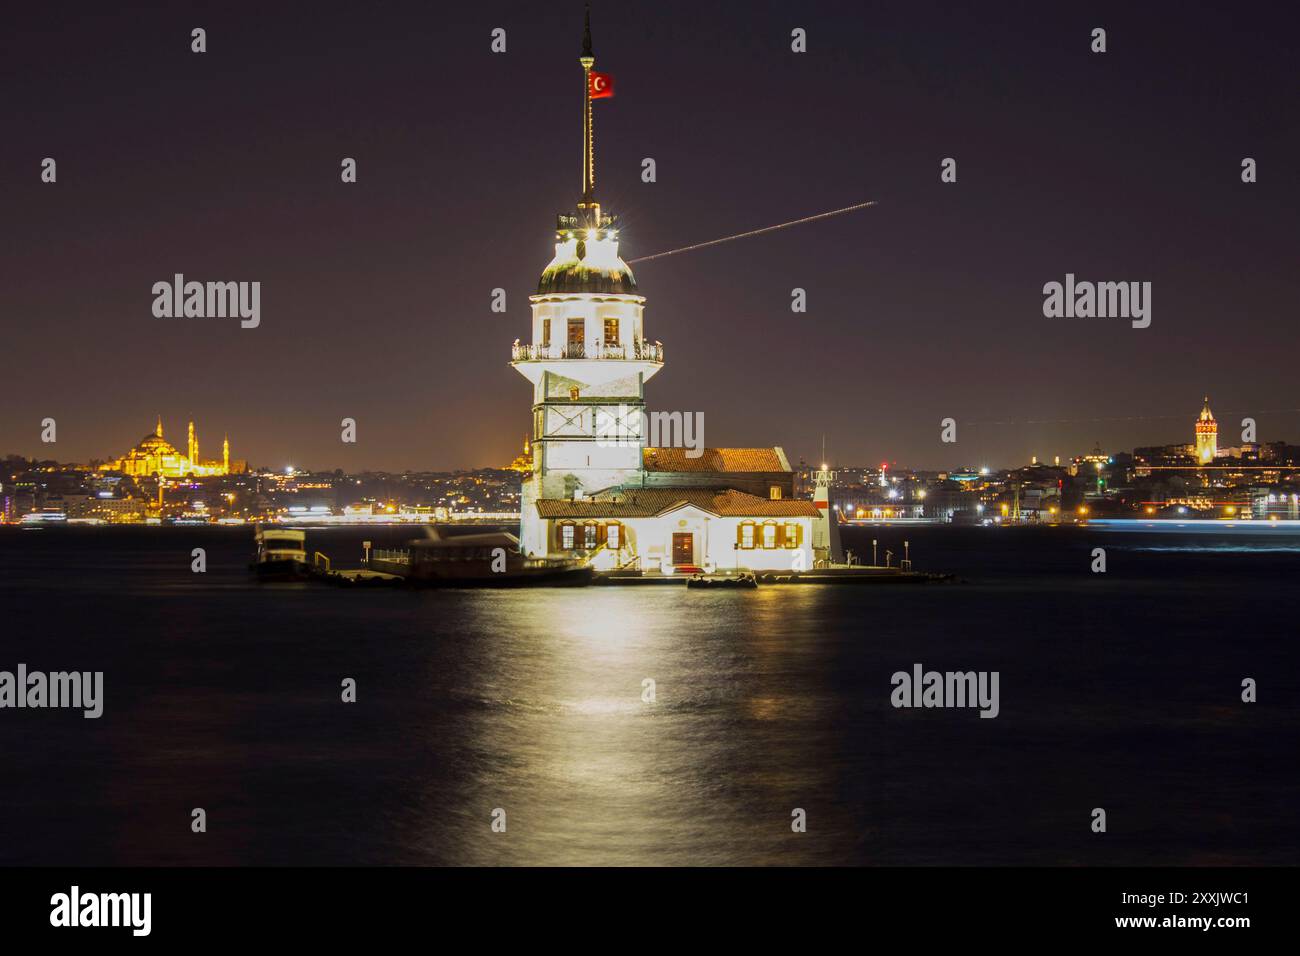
1118	690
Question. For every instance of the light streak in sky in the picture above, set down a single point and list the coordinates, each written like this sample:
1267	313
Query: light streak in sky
754	232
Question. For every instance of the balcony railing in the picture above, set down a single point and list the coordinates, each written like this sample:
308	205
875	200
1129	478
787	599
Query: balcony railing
638	351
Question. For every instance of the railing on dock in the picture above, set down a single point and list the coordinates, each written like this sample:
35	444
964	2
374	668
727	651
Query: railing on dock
396	556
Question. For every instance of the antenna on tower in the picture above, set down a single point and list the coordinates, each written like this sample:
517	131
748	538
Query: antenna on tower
588	204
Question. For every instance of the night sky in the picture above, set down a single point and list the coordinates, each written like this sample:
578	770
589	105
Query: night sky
375	296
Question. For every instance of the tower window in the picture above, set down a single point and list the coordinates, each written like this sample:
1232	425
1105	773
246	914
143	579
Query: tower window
611	331
546	333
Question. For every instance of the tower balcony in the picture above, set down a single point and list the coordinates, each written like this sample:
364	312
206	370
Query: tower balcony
594	365
640	351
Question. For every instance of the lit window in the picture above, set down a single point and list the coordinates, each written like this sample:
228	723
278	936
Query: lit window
775	492
611	331
769	536
792	535
747	535
611	536
566	537
589	536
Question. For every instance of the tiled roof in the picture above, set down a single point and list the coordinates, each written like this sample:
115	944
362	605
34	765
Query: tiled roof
715	459
648	502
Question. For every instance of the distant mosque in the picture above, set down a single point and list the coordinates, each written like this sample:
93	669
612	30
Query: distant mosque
593	487
154	455
523	463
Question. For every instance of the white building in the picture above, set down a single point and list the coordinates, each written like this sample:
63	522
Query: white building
596	489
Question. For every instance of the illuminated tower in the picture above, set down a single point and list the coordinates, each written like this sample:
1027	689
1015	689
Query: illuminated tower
588	360
1207	435
225	455
158	430
192	447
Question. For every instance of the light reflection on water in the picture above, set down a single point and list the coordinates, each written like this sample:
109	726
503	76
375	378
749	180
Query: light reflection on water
590	773
224	694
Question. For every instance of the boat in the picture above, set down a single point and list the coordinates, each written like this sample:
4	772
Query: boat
490	560
281	555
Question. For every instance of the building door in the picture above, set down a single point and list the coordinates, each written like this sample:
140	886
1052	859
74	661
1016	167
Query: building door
577	333
683	548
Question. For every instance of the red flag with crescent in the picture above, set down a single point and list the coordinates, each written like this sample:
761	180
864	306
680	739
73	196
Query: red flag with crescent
600	86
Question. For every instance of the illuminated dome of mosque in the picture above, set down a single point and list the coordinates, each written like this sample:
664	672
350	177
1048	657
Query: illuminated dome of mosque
155	444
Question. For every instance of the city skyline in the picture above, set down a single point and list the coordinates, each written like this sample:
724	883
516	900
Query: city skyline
377	294
116	458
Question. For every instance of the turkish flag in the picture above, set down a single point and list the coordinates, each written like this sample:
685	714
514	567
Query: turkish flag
600	86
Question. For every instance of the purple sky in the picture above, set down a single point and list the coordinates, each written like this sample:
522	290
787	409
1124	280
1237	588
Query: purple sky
375	296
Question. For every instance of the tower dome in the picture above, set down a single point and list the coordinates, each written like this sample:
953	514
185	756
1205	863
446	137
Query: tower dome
586	260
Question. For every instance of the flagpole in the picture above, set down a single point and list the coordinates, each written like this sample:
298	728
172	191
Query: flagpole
588	204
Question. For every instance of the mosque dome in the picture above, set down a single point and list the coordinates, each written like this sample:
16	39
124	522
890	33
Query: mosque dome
155	444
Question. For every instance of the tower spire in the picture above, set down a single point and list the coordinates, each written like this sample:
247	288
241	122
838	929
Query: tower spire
588	207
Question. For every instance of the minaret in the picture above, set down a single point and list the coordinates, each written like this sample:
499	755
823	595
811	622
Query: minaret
192	446
1207	435
588	361
158	430
225	455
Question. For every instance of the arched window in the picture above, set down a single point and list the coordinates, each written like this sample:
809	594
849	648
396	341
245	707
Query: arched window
769	534
745	535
